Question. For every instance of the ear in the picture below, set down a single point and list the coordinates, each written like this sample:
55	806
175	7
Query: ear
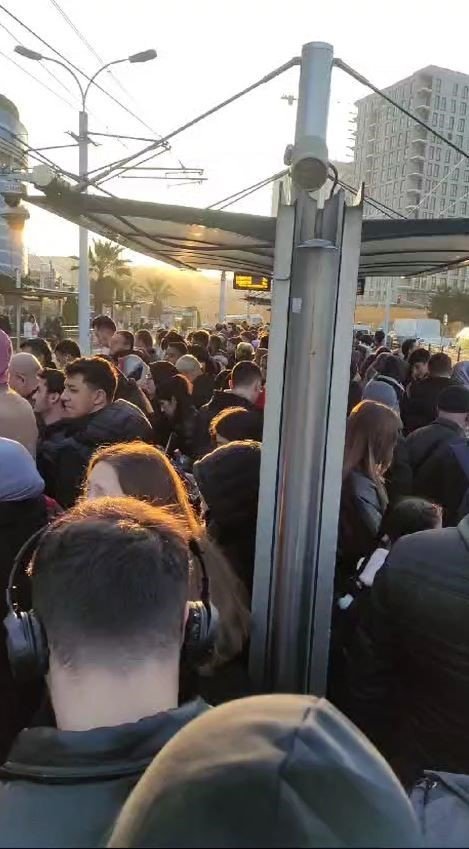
230	383
55	397
100	397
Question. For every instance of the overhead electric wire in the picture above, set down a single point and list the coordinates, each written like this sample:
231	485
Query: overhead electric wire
236	196
363	80
121	163
38	81
443	180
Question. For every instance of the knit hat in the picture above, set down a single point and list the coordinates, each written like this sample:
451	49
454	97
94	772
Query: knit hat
454	399
6	352
382	393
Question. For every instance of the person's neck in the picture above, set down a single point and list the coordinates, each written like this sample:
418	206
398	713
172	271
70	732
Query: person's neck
102	697
55	414
239	391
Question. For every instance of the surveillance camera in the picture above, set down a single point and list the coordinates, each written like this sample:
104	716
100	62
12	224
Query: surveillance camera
309	163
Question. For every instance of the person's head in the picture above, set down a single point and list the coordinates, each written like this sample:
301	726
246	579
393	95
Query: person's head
264	341
122	343
214	345
144	340
120	569
90	385
440	365
453	404
228	479
66	351
380	362
246	381
244	351
232	344
40	349
392	367
47	401
418	363
189	367
19	477
201	337
407	347
32	318
370	439
235	424
24	370
174	397
381	393
160	372
379	337
271	770
6	352
408	516
104	328
174	351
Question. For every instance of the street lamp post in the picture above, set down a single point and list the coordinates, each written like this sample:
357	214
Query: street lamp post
83	265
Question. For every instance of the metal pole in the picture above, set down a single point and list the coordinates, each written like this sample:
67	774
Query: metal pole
387	307
83	273
314	91
222	302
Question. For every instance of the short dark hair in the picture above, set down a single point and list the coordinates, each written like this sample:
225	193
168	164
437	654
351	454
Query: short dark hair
201	337
128	337
380	334
145	337
408	516
264	341
120	568
69	348
53	378
177	387
237	423
40	348
420	355
392	367
170	337
104	322
97	372
245	373
440	365
215	342
180	347
407	346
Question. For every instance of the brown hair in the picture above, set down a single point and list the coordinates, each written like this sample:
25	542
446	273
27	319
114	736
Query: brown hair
370	439
146	473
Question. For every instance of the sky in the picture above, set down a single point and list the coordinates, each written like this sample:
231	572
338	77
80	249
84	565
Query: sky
207	50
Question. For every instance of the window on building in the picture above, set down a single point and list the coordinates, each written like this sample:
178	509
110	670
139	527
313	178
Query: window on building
463	207
466	175
443	102
455	175
454	190
431	151
448	156
450	122
399	141
436	170
427	185
388	175
438	154
443	188
465	92
403	169
434	119
437	84
453	106
445	171
442	204
442	120
459	141
455	90
462	107
437	101
402	185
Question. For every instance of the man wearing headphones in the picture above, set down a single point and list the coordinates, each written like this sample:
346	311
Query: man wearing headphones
110	607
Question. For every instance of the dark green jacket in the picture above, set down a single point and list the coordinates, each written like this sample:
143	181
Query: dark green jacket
65	788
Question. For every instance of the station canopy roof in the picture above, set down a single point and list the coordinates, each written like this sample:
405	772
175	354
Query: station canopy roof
209	239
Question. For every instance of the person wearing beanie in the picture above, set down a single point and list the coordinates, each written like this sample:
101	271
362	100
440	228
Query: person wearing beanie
17	420
439	455
382	393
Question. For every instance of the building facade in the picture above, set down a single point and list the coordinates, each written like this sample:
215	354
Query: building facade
405	167
13	258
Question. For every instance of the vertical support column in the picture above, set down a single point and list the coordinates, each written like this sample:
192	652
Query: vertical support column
83	273
387	307
222	302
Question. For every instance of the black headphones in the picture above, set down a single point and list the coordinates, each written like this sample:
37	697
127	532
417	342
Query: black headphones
26	641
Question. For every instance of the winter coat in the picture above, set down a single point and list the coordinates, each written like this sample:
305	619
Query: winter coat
64	454
444	478
425	442
183	434
409	664
221	400
202	389
419	405
361	512
17	420
66	788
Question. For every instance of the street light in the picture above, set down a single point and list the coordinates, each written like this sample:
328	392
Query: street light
83	274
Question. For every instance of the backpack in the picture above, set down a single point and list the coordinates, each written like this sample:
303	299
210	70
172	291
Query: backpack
441	803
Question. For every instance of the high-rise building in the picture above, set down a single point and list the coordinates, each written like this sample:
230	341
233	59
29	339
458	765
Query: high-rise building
13	138
407	168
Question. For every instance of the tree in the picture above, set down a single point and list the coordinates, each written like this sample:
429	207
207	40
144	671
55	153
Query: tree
450	302
158	290
108	268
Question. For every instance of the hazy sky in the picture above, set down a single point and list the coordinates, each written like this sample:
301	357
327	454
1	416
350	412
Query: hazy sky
207	50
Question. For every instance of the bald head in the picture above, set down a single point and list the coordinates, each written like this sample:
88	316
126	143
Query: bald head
24	370
189	367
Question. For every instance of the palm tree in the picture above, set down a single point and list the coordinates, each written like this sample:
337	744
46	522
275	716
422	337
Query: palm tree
158	290
108	268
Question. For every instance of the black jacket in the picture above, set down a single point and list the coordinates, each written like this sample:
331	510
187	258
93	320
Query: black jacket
444	478
419	405
433	469
221	400
409	665
361	512
65	788
202	389
64	453
183	436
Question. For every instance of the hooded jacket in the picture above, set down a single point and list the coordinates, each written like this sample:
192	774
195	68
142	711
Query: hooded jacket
420	404
64	453
409	663
268	771
65	788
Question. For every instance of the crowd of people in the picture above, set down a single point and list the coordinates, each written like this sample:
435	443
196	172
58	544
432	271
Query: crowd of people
129	484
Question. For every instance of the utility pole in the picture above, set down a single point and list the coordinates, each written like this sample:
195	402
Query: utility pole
222	301
387	307
83	264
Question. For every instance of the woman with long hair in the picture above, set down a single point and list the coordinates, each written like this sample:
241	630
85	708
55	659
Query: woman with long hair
371	436
144	472
175	400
